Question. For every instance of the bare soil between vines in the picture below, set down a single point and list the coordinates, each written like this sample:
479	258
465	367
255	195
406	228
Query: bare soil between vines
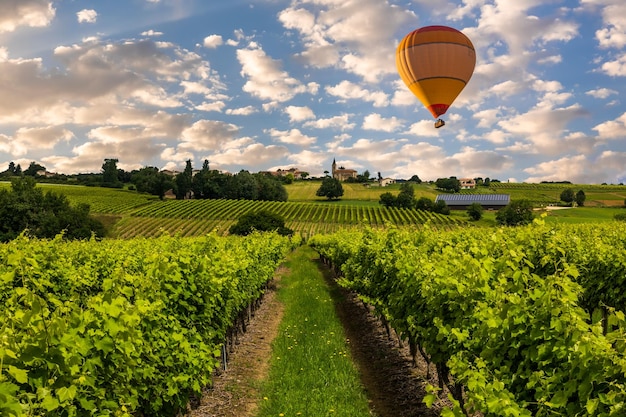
395	387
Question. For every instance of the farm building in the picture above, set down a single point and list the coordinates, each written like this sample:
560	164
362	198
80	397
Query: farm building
463	201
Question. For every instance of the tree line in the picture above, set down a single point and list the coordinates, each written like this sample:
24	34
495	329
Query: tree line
210	184
202	184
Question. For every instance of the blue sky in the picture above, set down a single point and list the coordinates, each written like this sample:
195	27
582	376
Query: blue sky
267	84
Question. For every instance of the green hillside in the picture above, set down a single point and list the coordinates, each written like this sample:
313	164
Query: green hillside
128	213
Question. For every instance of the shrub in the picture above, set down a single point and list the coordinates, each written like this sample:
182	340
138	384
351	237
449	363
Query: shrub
620	217
262	221
518	212
475	211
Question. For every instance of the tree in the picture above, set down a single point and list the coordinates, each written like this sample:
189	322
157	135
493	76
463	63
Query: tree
567	196
425	203
26	208
388	200
475	211
441	207
580	198
33	169
150	180
518	212
110	174
270	188
262	221
200	181
331	188
406	197
416	179
183	182
448	184
243	186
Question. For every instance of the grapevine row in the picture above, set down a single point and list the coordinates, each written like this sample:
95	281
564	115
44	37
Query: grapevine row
517	322
122	328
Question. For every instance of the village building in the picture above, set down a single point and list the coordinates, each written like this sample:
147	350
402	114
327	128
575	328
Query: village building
341	173
297	174
383	182
467	183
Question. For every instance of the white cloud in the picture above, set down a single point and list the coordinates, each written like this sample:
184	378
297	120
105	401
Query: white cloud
423	128
102	75
151	33
543	127
213	41
87	16
293	137
601	92
341	122
355	35
616	68
217	106
375	121
487	118
33	13
265	78
253	156
612	129
242	111
309	161
206	135
27	139
299	113
613	35
562	169
346	90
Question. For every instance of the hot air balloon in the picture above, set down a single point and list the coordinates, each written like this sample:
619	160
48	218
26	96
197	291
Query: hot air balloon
436	62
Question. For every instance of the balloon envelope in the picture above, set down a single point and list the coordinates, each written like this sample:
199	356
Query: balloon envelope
436	62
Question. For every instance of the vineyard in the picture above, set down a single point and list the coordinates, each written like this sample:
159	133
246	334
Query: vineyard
516	322
123	328
196	217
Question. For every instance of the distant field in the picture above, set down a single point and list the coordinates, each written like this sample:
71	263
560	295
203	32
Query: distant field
101	200
305	191
128	213
546	194
583	214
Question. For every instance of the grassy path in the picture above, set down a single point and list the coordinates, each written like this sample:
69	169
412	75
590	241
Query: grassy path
311	370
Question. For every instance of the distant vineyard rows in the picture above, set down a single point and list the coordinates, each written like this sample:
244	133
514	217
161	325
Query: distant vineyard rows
196	217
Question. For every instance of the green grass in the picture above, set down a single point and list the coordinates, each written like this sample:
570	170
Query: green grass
101	200
583	215
305	191
311	371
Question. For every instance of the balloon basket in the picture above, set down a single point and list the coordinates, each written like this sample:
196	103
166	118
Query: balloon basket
439	123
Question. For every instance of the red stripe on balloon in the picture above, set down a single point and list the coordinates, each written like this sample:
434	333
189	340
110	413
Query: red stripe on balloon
438	109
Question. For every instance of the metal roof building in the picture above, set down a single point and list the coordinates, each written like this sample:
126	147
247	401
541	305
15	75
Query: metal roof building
463	201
